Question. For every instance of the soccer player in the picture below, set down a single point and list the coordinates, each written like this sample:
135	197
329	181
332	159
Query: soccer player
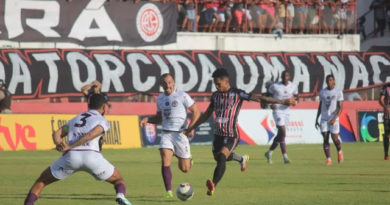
331	103
281	112
226	103
172	107
384	101
81	152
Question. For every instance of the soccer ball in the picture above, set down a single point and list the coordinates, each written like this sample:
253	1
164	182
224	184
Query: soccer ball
184	191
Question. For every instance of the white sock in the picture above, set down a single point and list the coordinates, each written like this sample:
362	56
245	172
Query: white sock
270	152
120	195
329	159
285	156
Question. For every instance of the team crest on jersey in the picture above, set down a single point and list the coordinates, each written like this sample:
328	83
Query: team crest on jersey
174	103
167	103
150	22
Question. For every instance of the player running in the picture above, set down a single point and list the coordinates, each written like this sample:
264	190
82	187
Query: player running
172	108
281	112
384	101
226	103
331	103
81	152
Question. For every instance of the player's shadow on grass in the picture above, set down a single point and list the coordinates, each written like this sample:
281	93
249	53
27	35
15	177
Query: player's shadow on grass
153	199
102	197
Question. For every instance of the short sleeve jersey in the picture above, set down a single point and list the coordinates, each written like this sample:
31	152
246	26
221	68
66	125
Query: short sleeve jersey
227	106
83	124
385	91
173	109
281	91
329	100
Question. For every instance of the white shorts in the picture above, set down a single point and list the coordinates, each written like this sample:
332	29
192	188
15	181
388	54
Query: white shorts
327	127
177	142
89	161
281	119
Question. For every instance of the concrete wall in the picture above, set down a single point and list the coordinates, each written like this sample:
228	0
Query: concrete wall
231	42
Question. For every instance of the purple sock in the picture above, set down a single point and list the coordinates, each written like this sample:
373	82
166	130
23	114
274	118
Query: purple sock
326	149
120	188
31	198
337	143
167	177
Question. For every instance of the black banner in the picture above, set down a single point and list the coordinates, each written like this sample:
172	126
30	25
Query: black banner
56	72
89	23
204	133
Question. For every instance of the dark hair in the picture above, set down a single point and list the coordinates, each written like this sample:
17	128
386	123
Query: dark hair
163	76
97	100
329	76
220	73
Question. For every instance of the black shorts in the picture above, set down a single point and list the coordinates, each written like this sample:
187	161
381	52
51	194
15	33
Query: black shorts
228	142
386	125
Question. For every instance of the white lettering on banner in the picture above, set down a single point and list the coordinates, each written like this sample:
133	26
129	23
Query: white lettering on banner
111	75
95	12
162	65
2	72
20	74
13	17
375	60
177	61
49	59
337	69
254	73
207	71
359	72
73	58
133	59
272	71
301	74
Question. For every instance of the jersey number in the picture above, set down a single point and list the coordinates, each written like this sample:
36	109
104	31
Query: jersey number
83	120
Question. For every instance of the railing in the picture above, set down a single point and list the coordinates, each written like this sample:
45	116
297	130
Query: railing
268	16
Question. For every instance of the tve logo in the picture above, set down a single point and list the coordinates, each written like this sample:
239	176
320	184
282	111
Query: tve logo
15	136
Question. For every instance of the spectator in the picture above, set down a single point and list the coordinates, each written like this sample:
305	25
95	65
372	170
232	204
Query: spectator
270	15
239	14
261	15
302	11
360	27
341	15
209	15
312	16
5	99
327	15
388	14
289	15
221	11
191	16
350	16
278	29
248	24
280	12
380	15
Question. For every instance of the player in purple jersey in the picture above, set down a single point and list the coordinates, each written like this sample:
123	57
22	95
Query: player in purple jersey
384	101
226	104
81	152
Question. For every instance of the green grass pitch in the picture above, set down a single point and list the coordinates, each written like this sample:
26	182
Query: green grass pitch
363	178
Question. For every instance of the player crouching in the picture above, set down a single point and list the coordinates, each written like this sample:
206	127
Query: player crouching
81	152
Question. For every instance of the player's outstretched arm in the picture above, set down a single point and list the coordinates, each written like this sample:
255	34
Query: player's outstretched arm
95	83
155	119
203	117
97	131
317	125
271	100
195	116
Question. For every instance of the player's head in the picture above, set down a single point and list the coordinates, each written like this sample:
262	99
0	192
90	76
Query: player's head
167	83
221	79
285	76
98	102
330	81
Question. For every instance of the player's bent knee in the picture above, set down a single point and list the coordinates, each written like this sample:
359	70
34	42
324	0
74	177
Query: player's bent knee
221	157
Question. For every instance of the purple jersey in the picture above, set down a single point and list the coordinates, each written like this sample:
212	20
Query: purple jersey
227	106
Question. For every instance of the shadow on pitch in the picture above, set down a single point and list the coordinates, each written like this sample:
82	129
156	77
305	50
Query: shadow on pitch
103	197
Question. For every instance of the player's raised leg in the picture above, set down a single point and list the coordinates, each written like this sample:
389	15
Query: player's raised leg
243	160
120	187
166	159
44	179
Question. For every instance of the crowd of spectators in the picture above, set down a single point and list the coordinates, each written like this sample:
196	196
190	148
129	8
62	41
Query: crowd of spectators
268	16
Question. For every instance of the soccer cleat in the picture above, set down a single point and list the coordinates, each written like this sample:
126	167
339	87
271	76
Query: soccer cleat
387	158
168	194
210	187
340	157
286	160
328	162
122	201
244	162
269	157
